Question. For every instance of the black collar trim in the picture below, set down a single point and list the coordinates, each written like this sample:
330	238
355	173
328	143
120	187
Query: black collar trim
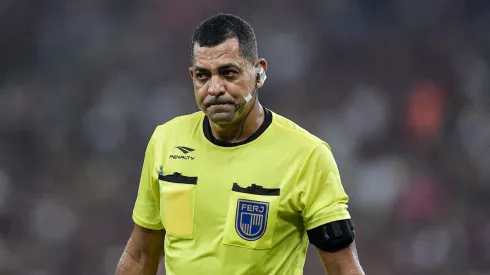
209	135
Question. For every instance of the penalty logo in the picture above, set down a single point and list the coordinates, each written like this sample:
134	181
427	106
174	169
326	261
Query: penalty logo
251	219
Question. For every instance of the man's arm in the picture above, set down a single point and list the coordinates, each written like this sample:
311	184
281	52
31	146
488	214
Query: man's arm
342	262
143	252
323	205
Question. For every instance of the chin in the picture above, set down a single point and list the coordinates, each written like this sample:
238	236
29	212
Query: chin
221	117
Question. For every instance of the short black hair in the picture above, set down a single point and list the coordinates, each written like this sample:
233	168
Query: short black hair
218	28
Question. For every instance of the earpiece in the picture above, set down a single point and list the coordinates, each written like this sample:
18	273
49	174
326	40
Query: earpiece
248	97
260	79
261	76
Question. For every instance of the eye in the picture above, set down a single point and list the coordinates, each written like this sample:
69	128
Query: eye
201	76
229	73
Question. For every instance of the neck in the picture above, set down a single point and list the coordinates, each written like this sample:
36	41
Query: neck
242	129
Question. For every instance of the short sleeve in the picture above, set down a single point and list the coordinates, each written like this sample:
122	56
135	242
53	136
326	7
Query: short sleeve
146	211
322	198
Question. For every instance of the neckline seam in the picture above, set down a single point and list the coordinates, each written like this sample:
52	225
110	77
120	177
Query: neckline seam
206	131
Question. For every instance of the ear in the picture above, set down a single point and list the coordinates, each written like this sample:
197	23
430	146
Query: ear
261	69
191	72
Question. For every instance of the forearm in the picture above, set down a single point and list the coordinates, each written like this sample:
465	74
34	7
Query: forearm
344	271
343	262
130	265
143	253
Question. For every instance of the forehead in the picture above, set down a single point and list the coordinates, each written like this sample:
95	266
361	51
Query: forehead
227	52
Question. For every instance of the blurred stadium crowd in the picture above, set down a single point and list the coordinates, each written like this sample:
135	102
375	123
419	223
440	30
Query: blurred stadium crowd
399	89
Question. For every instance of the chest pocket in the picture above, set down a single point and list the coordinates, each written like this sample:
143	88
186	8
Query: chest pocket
178	195
251	217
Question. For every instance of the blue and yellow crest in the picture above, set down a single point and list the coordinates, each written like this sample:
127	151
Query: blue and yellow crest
251	219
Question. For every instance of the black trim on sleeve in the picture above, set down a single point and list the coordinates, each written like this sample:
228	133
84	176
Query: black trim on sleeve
333	236
256	190
209	135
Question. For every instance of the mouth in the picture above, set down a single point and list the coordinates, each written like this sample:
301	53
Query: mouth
220	108
220	105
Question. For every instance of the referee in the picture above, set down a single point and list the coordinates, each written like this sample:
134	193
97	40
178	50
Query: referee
236	188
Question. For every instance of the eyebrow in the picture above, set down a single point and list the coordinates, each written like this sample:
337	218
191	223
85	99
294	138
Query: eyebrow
222	67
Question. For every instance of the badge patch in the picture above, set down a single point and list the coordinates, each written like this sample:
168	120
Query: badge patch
251	219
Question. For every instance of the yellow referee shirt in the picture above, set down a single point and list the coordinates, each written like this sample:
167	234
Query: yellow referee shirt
243	208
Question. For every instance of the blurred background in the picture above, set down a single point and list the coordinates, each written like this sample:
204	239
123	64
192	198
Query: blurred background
399	89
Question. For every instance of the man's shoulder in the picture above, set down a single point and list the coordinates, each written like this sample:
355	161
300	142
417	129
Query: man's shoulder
294	133
180	123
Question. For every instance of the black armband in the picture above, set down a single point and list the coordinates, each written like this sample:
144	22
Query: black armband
333	236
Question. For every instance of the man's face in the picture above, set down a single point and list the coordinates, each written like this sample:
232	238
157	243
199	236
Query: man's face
221	79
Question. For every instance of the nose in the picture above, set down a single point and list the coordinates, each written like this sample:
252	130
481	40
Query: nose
216	86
